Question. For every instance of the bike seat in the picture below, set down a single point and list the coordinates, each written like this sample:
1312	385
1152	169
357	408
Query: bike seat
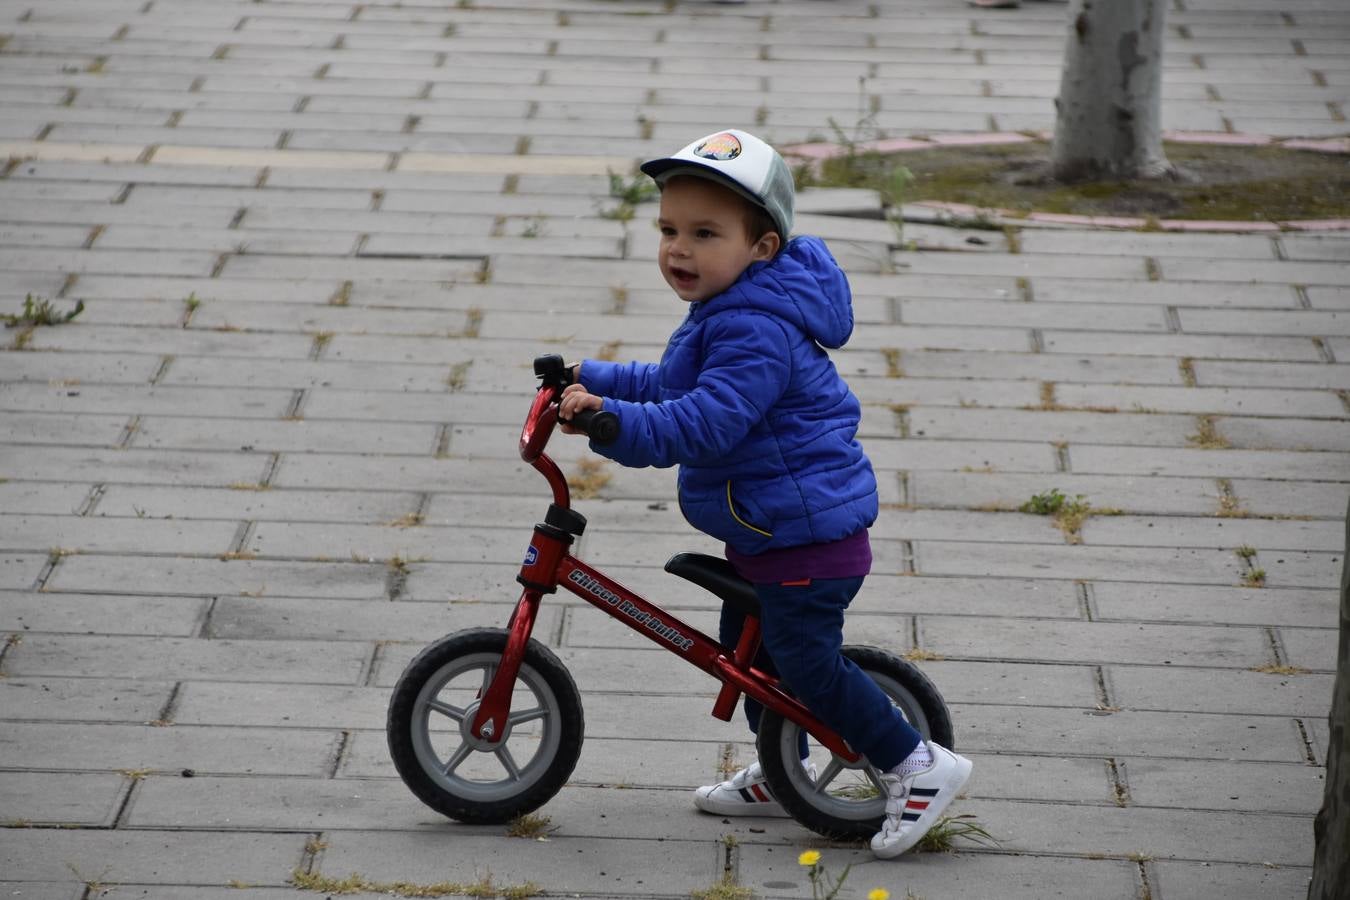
715	574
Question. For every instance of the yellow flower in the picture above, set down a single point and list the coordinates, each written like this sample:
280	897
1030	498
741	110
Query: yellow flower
809	858
878	894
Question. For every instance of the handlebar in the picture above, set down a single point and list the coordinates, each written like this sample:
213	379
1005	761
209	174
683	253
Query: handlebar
601	426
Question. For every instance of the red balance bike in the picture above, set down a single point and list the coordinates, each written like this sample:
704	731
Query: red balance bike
486	725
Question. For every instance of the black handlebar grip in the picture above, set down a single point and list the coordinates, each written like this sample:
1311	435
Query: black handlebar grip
601	426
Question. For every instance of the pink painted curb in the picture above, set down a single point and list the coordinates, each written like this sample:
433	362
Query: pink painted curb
820	151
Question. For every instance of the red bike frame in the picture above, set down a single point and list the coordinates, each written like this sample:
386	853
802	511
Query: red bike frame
548	564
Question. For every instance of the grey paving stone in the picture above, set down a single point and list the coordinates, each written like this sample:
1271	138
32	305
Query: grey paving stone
1178	565
150	857
85	746
775	872
324	662
1156	293
1161	834
44	798
369	620
616	865
955	525
91	535
1207	604
1053	426
295	290
1175	531
1237	401
297	436
1228	785
107	614
1311	375
1263	434
1213	463
1014	314
1314	323
1093	642
1214	246
237	505
1083	369
1237	347
1239	692
298	374
43	890
143	399
1311	648
42	498
20	570
1194	881
325	243
1311	498
79	367
1128	733
1012	684
422	543
102	700
242	577
1008	491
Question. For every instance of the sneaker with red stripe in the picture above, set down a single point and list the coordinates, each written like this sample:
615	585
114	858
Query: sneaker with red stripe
744	794
916	803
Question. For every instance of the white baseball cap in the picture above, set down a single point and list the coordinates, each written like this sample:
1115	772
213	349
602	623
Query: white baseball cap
740	161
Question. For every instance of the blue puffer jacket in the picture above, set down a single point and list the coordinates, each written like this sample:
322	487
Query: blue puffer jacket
749	405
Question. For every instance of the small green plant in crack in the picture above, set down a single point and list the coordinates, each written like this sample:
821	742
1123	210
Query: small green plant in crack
531	825
630	193
1254	578
941	838
1067	514
723	889
1246	551
37	311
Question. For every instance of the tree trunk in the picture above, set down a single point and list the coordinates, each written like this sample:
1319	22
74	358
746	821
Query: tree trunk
1331	858
1109	123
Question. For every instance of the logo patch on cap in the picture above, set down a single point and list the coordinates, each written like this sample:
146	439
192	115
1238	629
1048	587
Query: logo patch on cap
720	147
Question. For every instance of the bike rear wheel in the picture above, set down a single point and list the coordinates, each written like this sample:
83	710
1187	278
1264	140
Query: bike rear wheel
468	778
847	801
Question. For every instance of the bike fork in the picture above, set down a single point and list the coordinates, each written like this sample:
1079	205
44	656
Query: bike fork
538	574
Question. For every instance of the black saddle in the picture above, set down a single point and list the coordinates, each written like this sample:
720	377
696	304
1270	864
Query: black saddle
718	576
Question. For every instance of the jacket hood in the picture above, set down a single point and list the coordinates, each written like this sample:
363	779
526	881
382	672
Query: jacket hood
802	284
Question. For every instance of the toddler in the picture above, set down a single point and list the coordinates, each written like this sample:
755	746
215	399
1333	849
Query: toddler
748	404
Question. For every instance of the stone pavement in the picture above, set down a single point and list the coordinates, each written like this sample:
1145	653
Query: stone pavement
319	242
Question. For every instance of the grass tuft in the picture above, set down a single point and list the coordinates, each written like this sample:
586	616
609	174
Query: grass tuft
941	838
530	825
724	889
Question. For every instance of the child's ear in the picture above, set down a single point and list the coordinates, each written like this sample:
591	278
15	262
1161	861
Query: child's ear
766	247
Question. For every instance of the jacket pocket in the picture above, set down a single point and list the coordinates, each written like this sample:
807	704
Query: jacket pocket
742	518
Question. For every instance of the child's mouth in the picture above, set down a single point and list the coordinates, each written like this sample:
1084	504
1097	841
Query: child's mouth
683	277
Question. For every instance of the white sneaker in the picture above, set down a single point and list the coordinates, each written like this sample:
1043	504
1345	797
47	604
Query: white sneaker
916	803
744	794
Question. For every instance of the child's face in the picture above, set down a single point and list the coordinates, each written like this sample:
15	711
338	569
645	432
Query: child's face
704	245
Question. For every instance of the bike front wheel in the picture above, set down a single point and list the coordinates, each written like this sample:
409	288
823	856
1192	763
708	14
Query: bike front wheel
471	779
847	801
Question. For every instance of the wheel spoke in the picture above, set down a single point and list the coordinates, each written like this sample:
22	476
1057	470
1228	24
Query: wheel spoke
456	758
827	777
508	762
528	715
452	712
875	778
488	672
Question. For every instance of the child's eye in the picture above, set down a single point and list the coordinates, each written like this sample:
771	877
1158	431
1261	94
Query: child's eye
704	233
667	231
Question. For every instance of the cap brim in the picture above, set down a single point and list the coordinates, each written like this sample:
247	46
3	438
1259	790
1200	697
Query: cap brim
662	170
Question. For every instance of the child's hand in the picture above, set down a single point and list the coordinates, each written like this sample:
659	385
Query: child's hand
575	398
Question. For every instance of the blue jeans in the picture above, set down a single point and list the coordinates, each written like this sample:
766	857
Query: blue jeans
803	629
